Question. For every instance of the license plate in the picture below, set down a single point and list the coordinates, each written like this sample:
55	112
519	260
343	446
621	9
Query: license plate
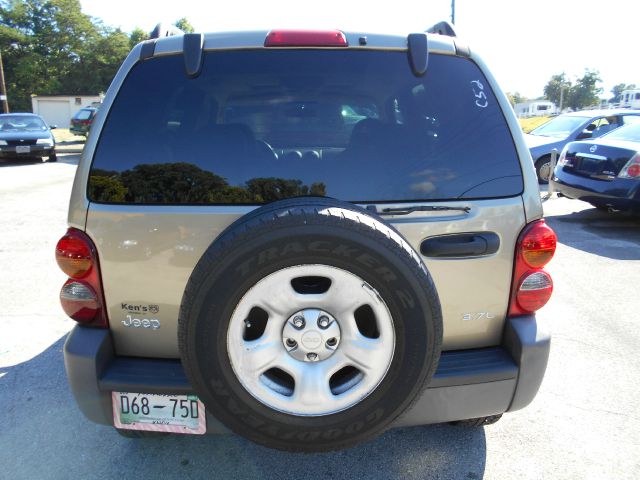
23	149
158	413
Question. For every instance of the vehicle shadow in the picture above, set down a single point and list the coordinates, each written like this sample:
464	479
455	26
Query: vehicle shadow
69	158
46	436
6	162
611	235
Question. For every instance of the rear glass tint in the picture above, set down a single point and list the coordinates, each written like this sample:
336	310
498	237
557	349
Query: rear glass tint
261	125
83	115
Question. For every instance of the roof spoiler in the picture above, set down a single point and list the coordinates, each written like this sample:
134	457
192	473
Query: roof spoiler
443	28
165	30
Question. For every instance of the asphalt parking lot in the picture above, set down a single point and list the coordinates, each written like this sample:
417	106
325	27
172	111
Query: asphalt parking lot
584	423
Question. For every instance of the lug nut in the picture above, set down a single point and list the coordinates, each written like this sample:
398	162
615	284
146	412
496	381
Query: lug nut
291	343
323	321
332	342
298	322
312	357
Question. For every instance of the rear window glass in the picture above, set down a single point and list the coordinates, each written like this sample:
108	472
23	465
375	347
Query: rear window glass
83	115
21	123
629	133
262	125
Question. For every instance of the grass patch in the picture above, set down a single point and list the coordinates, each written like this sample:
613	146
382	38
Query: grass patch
64	135
528	124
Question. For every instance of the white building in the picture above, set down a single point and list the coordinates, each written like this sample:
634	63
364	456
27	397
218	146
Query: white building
58	109
535	108
630	98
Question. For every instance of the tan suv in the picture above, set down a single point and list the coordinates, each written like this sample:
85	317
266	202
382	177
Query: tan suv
305	237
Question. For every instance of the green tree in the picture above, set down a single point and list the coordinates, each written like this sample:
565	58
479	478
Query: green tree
556	88
51	47
184	25
92	73
618	89
584	93
515	98
318	189
138	35
106	188
272	189
171	183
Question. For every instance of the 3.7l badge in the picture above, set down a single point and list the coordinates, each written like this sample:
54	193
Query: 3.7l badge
477	316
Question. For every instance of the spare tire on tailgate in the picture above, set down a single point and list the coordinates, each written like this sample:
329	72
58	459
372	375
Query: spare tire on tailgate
309	324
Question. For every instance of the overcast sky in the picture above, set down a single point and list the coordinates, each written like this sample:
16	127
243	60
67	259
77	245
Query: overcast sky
524	43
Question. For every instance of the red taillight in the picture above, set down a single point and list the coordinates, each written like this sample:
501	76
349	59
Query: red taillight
73	254
532	286
631	169
81	296
538	244
305	38
634	170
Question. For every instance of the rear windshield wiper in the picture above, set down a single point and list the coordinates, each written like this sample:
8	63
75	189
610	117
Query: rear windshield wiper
417	208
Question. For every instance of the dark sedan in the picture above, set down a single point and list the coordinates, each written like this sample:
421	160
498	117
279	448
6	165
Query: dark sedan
559	131
604	172
25	135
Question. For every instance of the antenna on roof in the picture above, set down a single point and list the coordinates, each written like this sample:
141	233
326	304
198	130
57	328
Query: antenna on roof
165	30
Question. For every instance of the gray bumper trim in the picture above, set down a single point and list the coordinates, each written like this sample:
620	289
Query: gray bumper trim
87	353
467	384
529	345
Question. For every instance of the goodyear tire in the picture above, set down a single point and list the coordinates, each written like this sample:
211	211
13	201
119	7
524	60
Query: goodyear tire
309	325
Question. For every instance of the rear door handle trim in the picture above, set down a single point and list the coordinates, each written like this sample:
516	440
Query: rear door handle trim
473	244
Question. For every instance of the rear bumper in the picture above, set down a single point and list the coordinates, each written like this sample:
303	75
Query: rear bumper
9	151
620	193
467	384
78	130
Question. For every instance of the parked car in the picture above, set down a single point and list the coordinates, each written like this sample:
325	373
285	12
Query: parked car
25	135
604	172
568	127
331	276
82	120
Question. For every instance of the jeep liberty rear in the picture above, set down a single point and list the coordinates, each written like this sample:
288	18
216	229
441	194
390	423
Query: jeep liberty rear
306	238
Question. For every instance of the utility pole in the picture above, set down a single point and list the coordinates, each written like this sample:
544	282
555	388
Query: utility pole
453	11
561	98
3	89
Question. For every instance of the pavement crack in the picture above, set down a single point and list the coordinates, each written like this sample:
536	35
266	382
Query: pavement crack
591	409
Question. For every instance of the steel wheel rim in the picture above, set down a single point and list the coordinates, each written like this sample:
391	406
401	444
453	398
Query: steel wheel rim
343	377
545	171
